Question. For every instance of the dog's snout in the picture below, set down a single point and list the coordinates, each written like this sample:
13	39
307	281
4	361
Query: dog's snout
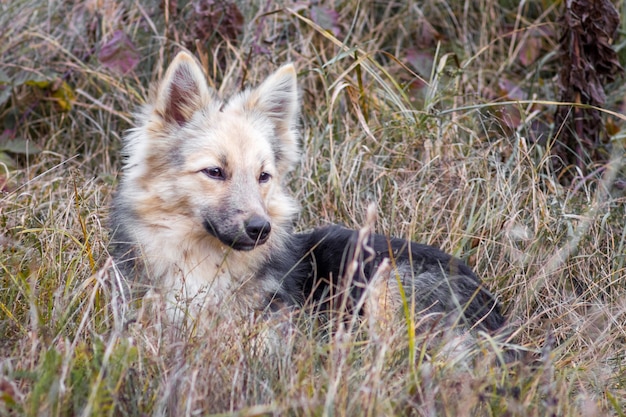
258	229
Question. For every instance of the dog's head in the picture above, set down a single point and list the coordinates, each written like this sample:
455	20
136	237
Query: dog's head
216	167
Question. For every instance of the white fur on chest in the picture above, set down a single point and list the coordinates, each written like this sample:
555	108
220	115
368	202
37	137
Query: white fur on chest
199	276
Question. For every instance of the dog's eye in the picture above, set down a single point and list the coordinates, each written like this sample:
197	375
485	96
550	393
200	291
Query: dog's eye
264	177
215	173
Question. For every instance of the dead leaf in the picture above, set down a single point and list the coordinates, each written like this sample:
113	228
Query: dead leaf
511	90
421	61
119	54
530	50
326	18
19	146
6	161
510	116
588	63
218	16
64	95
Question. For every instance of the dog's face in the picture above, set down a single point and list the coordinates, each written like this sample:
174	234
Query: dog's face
216	168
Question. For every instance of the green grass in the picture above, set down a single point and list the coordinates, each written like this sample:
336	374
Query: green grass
439	162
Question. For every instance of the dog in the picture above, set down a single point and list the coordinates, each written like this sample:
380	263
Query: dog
202	215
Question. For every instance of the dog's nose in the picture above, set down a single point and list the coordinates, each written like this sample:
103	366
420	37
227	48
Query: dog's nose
258	229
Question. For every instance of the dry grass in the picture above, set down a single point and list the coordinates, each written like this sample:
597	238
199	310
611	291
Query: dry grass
439	161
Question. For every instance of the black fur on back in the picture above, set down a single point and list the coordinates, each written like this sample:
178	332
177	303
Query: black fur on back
316	270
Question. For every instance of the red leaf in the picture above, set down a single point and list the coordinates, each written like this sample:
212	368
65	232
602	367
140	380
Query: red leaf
510	116
221	16
119	53
421	61
510	90
530	50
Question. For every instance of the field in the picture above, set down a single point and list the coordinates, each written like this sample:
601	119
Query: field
440	114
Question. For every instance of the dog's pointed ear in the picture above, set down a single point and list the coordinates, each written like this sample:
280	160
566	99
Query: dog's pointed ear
277	98
183	90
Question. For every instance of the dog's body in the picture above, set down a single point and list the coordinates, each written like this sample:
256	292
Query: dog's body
201	214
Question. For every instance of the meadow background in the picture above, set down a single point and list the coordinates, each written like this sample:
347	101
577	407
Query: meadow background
444	114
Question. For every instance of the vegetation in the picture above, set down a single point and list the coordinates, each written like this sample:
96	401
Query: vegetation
441	113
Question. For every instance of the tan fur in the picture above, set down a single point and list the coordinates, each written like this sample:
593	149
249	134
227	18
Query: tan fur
164	196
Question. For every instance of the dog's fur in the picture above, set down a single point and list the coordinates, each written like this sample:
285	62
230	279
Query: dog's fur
201	214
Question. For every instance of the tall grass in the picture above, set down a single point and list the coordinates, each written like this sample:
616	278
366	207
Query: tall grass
400	108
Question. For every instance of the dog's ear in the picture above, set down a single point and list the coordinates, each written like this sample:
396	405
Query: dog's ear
182	91
277	99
